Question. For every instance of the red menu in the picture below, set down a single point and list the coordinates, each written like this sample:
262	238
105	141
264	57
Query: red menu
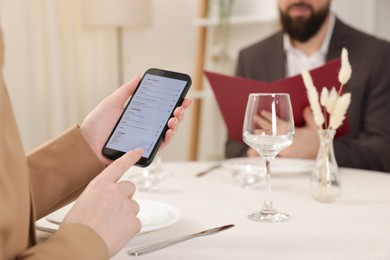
232	95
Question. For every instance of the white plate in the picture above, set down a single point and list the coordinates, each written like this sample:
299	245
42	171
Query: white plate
153	215
278	165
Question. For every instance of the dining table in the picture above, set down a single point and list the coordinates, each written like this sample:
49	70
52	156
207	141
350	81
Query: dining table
355	226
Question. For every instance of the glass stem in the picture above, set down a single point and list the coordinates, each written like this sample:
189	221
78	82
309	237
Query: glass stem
268	199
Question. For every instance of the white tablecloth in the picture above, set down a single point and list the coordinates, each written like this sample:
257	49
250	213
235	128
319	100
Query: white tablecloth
355	227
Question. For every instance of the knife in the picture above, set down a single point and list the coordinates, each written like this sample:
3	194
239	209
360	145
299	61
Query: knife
200	174
159	245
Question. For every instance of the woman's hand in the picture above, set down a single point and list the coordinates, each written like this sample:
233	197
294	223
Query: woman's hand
107	206
98	125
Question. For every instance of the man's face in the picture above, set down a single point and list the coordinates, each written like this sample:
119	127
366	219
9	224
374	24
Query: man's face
301	19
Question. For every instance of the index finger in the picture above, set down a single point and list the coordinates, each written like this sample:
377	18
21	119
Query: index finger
122	164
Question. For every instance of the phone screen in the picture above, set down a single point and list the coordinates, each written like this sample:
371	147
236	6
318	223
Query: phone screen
144	120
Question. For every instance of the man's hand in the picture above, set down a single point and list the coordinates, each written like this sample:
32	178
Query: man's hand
306	140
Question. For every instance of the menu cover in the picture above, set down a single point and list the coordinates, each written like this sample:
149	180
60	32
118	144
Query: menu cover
232	95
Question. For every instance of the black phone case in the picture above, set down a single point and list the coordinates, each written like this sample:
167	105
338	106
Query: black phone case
146	161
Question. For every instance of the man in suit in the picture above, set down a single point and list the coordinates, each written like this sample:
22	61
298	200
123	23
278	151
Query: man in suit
311	35
104	218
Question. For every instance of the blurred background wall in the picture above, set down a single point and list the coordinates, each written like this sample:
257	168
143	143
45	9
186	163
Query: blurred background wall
59	67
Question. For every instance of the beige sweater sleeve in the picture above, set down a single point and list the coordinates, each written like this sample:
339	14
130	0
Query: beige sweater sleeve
71	241
60	170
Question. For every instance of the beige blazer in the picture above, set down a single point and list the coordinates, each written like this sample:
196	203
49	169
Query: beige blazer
34	185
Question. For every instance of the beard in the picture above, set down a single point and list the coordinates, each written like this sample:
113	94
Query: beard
302	29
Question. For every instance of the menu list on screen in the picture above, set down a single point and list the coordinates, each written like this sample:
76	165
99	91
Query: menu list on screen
147	114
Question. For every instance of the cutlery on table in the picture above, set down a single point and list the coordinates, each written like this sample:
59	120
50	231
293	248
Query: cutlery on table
200	174
159	245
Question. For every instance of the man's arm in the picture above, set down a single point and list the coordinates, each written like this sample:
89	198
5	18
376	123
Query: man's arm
370	148
235	149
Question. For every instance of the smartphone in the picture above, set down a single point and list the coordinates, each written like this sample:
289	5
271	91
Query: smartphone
144	120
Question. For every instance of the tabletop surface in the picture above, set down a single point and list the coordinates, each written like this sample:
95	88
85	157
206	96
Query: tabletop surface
357	226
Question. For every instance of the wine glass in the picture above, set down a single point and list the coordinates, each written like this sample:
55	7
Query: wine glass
268	128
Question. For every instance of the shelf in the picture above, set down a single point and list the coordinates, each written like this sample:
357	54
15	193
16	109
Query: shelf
237	20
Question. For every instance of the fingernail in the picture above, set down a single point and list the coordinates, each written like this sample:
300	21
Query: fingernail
139	150
182	110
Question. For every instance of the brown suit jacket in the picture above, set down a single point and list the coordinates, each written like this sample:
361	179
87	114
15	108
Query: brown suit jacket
368	143
35	185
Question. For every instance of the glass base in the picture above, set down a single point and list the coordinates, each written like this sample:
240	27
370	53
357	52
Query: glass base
268	216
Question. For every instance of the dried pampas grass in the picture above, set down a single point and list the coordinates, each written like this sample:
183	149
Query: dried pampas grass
334	104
